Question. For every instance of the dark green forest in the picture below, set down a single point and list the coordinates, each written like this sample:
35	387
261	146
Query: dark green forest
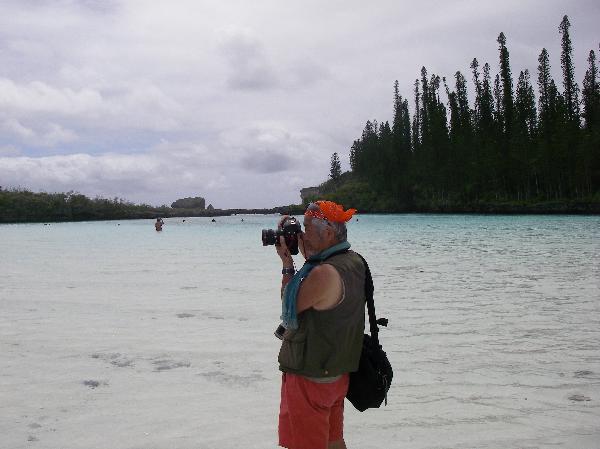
507	148
20	205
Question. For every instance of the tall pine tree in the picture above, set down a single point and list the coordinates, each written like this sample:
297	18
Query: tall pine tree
335	170
549	158
401	142
591	117
571	89
525	130
506	104
571	147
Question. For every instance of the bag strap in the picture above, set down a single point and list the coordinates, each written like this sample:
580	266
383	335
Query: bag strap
369	290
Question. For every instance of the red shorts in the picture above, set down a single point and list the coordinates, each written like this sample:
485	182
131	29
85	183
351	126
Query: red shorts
311	414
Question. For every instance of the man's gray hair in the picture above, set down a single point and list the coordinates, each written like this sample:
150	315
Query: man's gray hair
339	228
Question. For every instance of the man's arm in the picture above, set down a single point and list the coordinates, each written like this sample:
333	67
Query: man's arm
286	278
321	290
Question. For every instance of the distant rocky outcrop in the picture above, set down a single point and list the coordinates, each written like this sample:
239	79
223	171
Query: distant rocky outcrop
309	194
189	203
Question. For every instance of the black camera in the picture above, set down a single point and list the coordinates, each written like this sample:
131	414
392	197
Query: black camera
290	228
280	331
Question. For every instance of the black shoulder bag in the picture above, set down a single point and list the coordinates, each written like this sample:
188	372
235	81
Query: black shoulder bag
370	384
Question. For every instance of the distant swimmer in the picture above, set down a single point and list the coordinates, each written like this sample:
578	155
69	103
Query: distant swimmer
214	221
159	224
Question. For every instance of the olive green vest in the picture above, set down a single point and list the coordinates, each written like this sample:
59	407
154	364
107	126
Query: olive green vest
329	342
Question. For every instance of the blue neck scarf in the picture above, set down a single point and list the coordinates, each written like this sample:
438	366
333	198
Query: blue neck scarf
289	317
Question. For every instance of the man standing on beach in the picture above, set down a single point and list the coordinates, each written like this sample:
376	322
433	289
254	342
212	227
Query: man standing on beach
324	314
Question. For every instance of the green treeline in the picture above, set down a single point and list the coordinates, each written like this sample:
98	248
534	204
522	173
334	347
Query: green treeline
19	205
24	206
506	147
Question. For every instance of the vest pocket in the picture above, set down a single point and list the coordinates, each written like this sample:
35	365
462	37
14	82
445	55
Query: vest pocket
293	349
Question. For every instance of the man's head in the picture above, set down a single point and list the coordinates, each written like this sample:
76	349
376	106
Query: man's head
324	226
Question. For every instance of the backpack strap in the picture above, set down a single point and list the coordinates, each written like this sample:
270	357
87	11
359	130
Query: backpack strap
369	290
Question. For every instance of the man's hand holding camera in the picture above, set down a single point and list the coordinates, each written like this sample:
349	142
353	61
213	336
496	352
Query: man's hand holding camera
284	238
282	249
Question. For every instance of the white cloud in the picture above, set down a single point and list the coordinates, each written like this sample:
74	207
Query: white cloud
16	128
137	105
56	135
50	135
39	97
144	105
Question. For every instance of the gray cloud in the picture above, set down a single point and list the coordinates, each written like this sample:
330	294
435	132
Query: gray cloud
248	65
267	161
270	147
306	72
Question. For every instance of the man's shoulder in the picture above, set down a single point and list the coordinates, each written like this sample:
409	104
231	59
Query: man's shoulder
326	283
345	260
323	272
323	277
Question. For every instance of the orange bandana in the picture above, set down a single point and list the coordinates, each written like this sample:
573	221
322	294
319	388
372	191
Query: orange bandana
330	211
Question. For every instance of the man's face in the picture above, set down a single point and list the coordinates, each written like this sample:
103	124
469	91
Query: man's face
314	237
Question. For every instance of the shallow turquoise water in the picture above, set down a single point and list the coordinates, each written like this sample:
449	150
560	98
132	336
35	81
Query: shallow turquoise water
494	325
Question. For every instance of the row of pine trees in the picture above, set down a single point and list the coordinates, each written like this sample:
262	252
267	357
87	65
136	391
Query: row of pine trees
507	146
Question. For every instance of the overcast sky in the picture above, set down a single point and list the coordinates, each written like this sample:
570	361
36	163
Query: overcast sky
241	102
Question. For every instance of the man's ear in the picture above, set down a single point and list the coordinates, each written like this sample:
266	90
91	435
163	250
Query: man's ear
330	234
